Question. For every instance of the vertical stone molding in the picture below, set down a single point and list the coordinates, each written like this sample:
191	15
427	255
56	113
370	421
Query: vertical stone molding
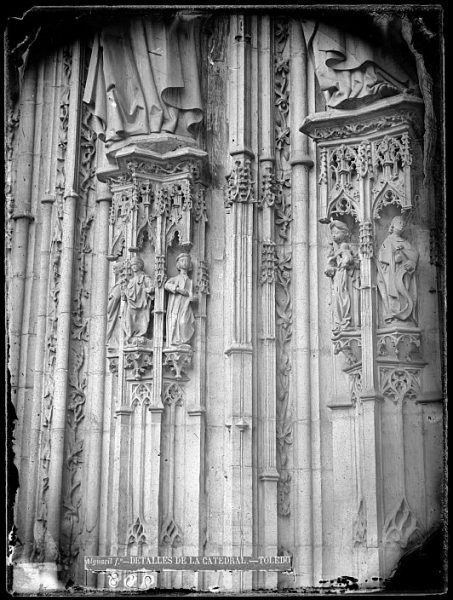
301	163
239	205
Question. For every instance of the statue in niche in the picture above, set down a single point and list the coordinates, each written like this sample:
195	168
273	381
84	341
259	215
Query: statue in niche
351	72
344	269
396	264
180	317
143	78
114	304
138	297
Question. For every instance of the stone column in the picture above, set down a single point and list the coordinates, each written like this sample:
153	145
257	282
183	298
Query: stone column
65	303
238	496
266	418
46	214
301	164
22	217
97	368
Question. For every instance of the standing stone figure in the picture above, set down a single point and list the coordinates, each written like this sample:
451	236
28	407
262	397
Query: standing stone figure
180	317
114	304
343	268
396	265
143	78
138	297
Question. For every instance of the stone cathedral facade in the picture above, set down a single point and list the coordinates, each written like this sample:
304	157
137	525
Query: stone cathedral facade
224	279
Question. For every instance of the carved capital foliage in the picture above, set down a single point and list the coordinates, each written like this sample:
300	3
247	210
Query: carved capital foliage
139	363
364	126
401	527
240	184
268	262
177	362
399	384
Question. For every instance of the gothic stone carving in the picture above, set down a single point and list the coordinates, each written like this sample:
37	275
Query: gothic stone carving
138	362
268	189
154	97
180	317
177	361
402	346
137	295
401	526
400	383
343	268
392	158
240	185
268	261
351	72
351	347
121	276
396	264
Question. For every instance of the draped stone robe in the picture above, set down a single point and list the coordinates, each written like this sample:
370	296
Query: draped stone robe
396	264
180	317
143	78
137	312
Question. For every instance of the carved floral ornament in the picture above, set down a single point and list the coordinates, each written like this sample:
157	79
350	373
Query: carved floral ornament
240	183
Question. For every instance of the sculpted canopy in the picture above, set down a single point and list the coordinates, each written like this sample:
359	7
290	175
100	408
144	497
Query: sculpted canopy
143	78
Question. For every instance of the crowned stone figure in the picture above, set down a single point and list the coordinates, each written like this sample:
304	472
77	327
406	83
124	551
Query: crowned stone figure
343	268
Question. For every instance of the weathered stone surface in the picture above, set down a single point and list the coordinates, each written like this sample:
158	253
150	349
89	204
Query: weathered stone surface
222	278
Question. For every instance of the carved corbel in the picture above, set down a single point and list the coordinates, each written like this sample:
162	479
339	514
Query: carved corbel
350	347
138	362
177	361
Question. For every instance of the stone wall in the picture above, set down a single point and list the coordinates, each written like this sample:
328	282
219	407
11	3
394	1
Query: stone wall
225	336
